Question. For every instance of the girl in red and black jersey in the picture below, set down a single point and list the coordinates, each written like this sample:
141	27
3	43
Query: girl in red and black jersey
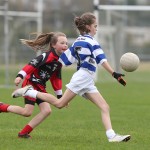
36	73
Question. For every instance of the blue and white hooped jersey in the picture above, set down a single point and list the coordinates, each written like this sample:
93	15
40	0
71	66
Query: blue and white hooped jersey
86	52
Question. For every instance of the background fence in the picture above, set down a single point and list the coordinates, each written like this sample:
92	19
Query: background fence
119	31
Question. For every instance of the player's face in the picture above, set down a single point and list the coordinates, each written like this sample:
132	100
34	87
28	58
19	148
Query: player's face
93	28
61	45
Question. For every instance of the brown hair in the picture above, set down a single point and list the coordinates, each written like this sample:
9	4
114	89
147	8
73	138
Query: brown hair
81	22
43	41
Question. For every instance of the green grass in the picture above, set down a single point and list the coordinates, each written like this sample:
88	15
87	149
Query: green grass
79	127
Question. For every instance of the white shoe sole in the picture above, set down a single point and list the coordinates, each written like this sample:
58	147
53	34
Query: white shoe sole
125	139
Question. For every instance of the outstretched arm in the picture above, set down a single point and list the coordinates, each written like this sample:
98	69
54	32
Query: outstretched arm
117	76
107	66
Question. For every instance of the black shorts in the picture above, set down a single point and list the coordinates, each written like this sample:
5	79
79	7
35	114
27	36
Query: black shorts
38	101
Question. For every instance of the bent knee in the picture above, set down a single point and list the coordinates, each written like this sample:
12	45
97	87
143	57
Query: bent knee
27	114
60	106
105	107
46	112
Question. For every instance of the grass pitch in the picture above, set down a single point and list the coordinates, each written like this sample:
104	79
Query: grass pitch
79	127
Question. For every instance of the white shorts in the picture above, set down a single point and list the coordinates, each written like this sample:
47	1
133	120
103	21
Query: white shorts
82	82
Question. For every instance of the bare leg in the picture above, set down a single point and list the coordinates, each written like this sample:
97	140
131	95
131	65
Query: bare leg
26	111
59	103
45	111
97	99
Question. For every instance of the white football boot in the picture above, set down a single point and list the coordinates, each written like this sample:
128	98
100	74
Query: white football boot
21	91
120	138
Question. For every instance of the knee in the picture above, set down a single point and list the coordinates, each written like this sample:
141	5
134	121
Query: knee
105	107
27	113
60	106
46	111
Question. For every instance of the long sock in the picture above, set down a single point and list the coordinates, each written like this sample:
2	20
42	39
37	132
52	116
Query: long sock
31	93
110	133
27	129
3	107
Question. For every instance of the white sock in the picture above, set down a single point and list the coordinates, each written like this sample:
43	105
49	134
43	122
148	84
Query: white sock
31	93
110	133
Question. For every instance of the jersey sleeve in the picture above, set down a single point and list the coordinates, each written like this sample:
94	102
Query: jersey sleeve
98	54
68	57
32	65
56	82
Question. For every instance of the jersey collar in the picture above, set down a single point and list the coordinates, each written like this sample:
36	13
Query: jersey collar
87	35
54	52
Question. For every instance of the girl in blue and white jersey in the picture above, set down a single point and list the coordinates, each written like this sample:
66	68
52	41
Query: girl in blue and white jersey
87	53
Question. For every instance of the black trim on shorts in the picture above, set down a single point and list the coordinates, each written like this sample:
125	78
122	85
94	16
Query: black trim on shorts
38	101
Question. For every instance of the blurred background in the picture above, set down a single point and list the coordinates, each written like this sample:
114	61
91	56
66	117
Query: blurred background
120	29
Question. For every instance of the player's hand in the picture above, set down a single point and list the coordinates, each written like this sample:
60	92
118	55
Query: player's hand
17	81
119	78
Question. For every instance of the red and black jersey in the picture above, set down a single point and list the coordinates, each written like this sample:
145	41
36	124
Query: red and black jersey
41	69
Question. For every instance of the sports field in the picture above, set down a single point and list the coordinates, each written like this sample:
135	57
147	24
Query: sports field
79	127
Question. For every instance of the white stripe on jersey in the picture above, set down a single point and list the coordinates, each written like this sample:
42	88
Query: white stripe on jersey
61	61
85	51
98	52
70	57
67	58
88	56
23	73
